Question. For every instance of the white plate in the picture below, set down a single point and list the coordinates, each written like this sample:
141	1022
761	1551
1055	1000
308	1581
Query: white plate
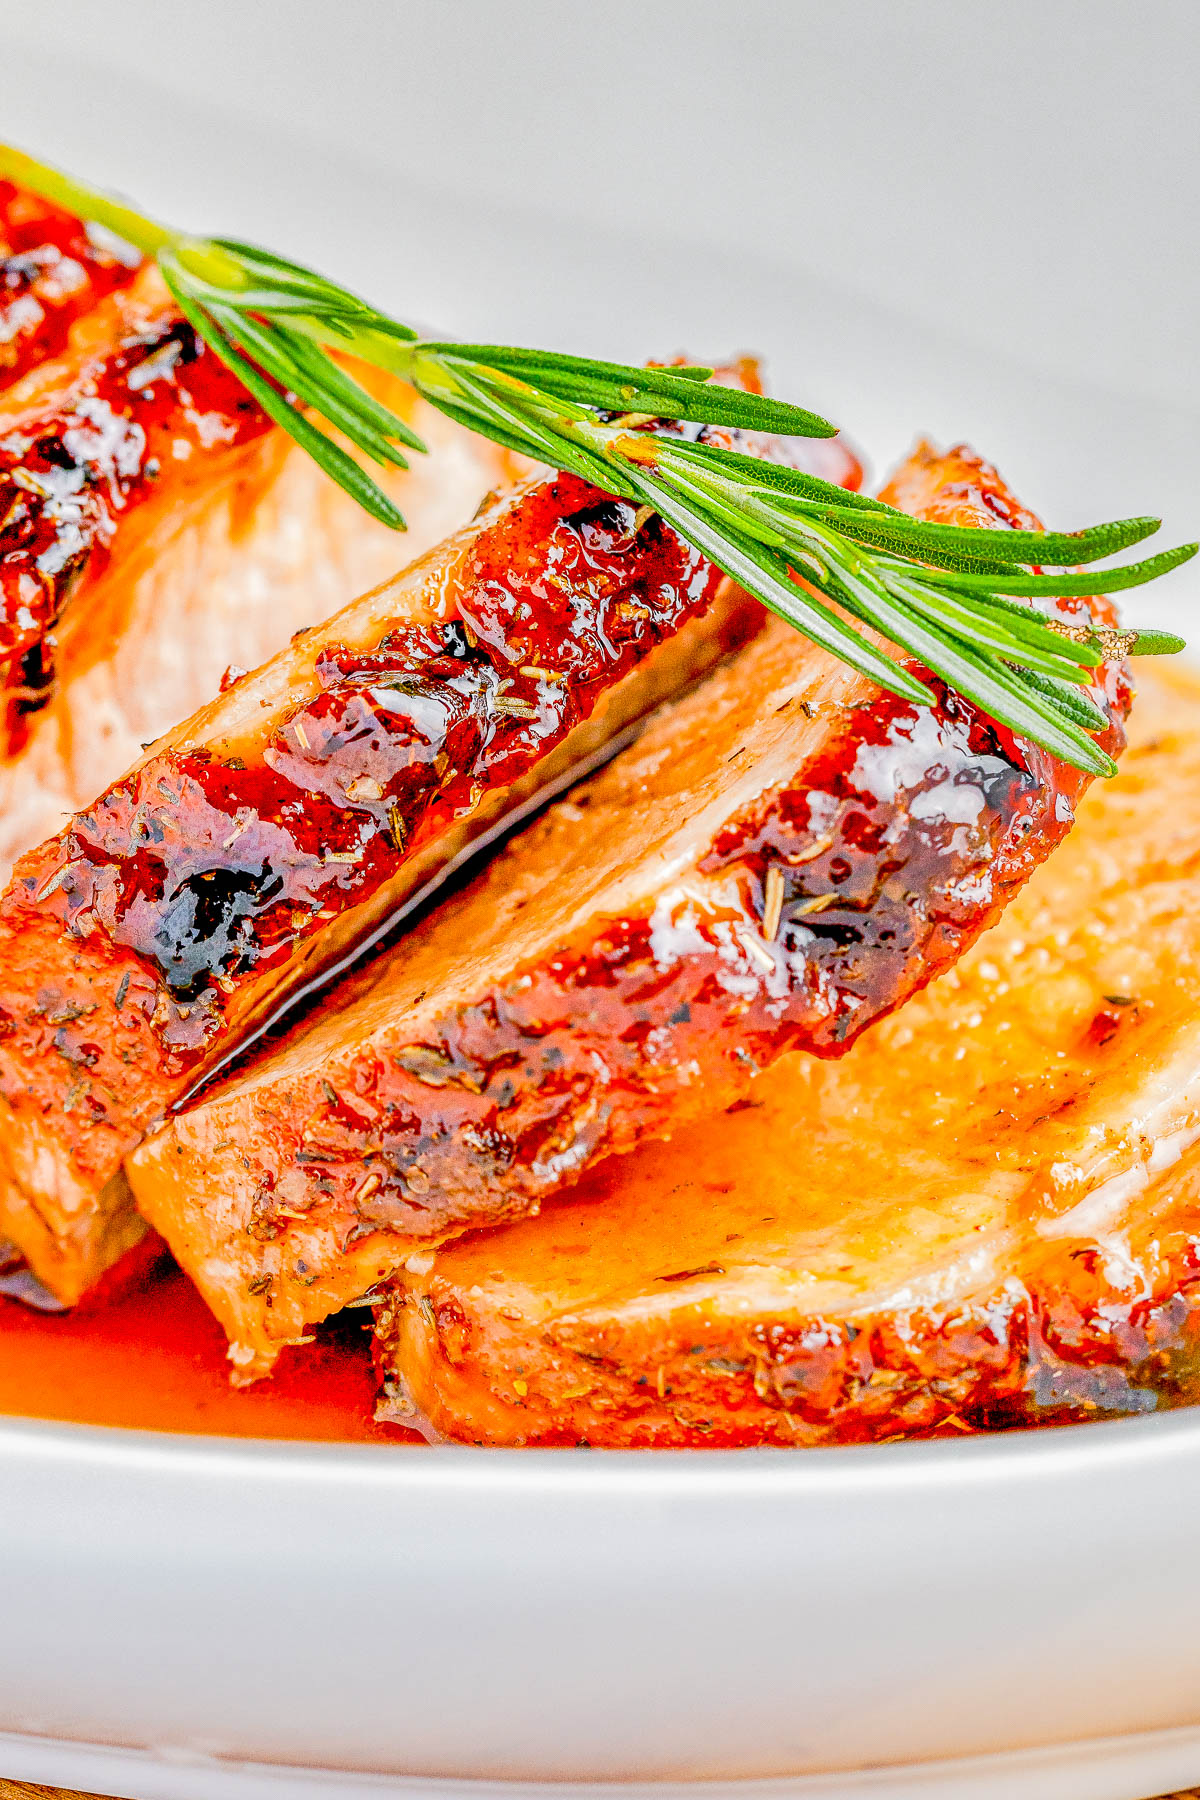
557	1617
192	1618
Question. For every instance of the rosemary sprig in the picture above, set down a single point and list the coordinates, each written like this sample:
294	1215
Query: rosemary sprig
961	603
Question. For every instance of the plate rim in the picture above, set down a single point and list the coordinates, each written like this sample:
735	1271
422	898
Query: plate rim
1047	1772
1032	1452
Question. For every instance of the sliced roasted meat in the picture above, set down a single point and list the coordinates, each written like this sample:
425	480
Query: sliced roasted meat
51	271
987	1214
153	521
189	538
257	843
784	857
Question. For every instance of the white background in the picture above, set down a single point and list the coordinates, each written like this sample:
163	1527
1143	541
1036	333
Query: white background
979	220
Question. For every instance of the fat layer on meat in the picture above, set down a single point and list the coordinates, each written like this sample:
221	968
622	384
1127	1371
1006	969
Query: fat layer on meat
784	857
279	826
988	1214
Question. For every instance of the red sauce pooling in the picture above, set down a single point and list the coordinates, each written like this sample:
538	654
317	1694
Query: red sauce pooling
146	1354
69	475
51	272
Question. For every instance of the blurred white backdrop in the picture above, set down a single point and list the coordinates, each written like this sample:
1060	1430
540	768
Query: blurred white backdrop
972	220
1024	175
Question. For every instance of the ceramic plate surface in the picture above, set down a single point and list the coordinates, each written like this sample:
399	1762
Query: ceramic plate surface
456	1617
187	1618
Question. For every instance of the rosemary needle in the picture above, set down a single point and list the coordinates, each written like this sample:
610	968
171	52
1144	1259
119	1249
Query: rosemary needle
960	603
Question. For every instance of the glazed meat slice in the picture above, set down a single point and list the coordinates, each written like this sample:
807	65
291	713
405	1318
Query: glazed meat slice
51	271
125	424
156	528
784	857
987	1214
257	843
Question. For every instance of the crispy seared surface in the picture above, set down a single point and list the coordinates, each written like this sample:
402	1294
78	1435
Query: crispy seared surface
783	858
258	842
987	1214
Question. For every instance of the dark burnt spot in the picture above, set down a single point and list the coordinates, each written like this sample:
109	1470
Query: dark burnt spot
206	924
607	527
491	1149
455	640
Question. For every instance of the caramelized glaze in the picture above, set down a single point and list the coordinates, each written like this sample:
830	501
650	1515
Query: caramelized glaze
266	836
782	859
986	1215
211	870
51	271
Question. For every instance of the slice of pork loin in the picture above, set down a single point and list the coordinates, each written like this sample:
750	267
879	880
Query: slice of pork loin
987	1214
238	543
169	530
785	856
276	829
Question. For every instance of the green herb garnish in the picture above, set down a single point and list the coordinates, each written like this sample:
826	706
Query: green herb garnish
949	597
